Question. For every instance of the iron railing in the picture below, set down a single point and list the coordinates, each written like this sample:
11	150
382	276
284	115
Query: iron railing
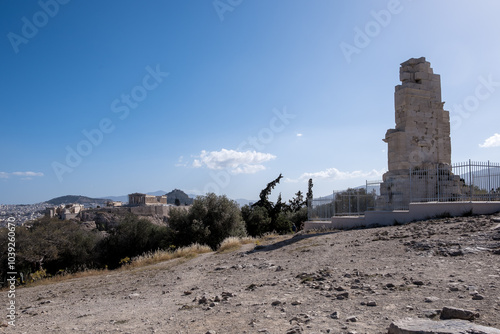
466	181
350	202
320	209
472	181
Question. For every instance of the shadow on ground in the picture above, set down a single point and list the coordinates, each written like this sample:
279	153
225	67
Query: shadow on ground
287	242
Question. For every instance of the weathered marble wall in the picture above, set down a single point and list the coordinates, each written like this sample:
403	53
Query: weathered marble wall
420	140
422	133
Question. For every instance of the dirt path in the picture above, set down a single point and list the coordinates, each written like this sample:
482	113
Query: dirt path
345	282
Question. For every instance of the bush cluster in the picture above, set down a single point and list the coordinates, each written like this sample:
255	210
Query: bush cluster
209	221
51	246
280	217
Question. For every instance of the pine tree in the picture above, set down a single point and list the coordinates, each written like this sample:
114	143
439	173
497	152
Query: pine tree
297	202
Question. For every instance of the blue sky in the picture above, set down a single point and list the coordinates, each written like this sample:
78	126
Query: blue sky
111	97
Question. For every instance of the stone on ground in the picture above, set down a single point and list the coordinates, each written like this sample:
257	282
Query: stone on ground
422	326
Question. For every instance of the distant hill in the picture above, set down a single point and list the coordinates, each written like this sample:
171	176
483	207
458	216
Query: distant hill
77	199
184	199
123	198
157	193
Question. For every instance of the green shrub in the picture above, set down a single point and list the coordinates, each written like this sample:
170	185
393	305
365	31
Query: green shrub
209	221
48	245
283	224
133	236
257	220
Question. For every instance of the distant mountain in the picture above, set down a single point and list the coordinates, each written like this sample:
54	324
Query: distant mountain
157	193
183	198
122	198
78	199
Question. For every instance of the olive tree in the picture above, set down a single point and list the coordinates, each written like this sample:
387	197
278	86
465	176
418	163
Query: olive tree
208	221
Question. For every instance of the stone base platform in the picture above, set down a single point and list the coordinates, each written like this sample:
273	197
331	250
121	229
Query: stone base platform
417	211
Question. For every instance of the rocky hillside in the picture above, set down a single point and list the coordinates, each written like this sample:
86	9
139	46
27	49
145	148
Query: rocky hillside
358	281
183	198
77	199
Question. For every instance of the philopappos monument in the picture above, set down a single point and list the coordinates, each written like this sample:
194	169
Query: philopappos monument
420	140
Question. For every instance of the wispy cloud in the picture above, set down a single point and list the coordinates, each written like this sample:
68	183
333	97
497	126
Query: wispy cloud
333	174
299	134
248	162
29	174
24	175
181	162
493	141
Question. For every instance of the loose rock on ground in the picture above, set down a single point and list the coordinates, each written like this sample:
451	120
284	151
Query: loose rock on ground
358	281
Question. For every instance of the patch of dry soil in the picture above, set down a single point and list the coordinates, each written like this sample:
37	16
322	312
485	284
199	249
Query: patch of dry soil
356	281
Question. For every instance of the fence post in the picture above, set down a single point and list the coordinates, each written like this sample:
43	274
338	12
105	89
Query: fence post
438	182
333	192
489	182
411	189
470	180
349	203
357	209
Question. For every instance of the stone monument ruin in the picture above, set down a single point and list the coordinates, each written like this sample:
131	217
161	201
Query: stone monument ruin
420	141
420	181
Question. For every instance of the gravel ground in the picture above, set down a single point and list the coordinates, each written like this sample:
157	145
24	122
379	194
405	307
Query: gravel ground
356	281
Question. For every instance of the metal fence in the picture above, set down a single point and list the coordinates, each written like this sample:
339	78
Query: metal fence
350	202
466	181
320	209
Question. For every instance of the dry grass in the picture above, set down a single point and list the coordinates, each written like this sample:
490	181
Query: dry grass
228	245
67	276
163	255
233	243
270	238
136	262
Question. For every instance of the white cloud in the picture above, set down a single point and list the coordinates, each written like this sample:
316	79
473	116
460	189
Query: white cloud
333	174
25	175
248	169
29	174
248	162
181	162
492	141
289	180
299	134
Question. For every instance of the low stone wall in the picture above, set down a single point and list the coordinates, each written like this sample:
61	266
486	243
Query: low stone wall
425	210
417	211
